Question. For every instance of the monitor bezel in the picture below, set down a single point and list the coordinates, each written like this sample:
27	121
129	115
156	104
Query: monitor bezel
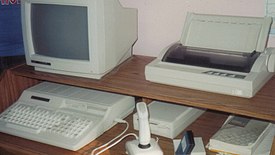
95	30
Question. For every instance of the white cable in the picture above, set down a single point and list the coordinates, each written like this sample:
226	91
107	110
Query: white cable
119	121
106	144
129	134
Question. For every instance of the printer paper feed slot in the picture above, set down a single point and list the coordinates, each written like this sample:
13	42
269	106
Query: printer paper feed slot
210	58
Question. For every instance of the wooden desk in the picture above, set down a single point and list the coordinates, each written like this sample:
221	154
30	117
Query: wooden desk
129	79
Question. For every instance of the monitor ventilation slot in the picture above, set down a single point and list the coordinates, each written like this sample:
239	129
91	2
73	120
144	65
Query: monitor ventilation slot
41	62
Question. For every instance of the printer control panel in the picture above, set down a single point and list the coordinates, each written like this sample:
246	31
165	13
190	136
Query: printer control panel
223	74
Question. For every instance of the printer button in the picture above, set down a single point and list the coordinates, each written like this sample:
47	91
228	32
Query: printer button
231	75
237	92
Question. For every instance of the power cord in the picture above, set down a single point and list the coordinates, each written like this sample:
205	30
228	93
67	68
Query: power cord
116	142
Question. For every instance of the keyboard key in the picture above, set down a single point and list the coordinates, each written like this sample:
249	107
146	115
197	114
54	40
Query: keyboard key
36	119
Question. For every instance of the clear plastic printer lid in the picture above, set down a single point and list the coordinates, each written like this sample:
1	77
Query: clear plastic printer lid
230	33
222	42
210	58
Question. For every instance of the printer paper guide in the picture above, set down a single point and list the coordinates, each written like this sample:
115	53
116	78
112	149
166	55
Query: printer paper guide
270	11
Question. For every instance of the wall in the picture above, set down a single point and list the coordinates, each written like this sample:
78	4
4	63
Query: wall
161	21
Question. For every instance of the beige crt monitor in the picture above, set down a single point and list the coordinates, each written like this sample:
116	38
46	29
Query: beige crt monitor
85	38
217	53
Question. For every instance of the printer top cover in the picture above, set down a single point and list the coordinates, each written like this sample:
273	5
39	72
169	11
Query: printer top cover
230	33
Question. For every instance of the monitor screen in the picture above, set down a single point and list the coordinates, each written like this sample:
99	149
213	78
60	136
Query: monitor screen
63	32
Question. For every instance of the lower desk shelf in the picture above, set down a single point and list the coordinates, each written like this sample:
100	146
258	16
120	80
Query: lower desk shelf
204	127
129	79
